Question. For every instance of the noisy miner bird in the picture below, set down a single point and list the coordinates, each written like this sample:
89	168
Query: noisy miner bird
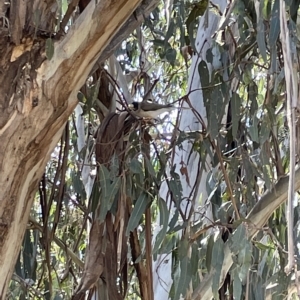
149	109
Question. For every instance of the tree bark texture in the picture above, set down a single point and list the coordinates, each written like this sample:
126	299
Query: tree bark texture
36	98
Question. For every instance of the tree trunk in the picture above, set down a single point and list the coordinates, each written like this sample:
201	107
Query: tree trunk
193	178
37	97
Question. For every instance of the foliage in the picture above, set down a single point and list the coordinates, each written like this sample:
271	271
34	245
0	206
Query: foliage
248	148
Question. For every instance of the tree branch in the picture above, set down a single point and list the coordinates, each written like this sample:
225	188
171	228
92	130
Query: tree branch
144	10
257	218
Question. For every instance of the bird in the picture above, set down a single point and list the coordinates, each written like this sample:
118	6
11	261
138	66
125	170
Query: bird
149	109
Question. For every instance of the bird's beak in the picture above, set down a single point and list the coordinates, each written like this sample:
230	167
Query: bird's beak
130	106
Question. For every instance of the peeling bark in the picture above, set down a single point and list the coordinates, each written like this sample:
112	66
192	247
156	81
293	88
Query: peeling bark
37	97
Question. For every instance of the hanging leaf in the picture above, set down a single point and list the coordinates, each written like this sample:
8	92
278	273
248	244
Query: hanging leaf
173	221
184	278
235	113
104	179
95	196
170	32
237	285
164	219
209	252
49	48
137	212
215	111
216	264
261	42
204	78
198	10
113	190
237	239
244	260
150	168
253	130
171	56
274	24
253	92
136	167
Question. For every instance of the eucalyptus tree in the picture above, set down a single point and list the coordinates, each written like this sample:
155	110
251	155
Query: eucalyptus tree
44	62
187	207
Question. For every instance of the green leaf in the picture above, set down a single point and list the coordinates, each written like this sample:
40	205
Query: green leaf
213	98
173	221
77	183
215	110
95	196
164	220
266	9
237	286
191	21
163	212
27	250
198	10
170	32
209	251
175	185
260	37
104	176
184	278
158	42
245	253
169	243
171	56
136	166
175	189
113	190
262	264
217	262
253	93
209	55
137	212
237	239
49	48
204	77
274	24
253	130
105	182
150	168
264	132
195	259
18	268
235	112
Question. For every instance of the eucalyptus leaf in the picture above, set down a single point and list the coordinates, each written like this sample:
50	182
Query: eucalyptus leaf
209	252
261	38
49	48
164	219
274	24
235	113
237	285
137	212
171	56
136	166
216	264
150	168
184	278
253	129
237	239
